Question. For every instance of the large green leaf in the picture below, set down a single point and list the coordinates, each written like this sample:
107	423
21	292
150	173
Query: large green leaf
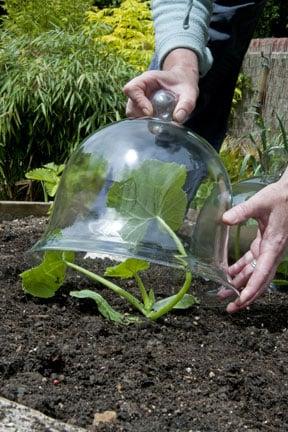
45	279
152	193
49	175
51	188
58	169
42	174
103	306
127	269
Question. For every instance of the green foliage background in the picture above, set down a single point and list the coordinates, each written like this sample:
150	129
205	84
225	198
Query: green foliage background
57	86
62	67
54	90
126	30
35	16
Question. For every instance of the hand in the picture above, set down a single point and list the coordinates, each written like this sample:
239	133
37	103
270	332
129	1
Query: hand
255	270
179	74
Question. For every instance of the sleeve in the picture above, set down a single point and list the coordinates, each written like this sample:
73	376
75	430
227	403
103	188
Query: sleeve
183	24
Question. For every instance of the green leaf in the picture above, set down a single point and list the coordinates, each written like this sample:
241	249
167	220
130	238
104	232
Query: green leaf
186	302
51	188
152	193
127	269
42	174
103	306
58	169
283	267
45	279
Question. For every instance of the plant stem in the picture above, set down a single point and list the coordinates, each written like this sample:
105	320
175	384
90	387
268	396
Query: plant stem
143	291
44	192
280	281
174	236
165	309
115	288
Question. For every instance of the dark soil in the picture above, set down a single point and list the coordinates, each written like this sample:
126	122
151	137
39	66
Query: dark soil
201	370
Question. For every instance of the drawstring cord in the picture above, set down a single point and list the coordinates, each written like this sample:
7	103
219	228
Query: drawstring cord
187	16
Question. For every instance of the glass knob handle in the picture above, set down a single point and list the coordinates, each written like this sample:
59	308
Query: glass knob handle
164	103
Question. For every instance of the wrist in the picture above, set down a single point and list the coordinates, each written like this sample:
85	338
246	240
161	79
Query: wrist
181	58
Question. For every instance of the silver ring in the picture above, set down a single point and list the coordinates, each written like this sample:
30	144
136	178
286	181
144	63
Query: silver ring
253	263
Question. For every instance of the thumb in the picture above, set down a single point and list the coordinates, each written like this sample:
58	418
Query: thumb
185	105
181	115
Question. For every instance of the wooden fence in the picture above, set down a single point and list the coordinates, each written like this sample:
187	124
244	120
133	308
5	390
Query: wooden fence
266	65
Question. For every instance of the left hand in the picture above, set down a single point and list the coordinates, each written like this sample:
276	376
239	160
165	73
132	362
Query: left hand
255	270
180	75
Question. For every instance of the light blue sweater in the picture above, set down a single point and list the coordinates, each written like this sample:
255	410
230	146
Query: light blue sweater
183	24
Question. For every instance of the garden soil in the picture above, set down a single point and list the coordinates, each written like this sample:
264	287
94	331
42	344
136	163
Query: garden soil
198	370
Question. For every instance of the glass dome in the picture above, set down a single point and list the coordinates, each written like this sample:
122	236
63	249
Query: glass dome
244	189
147	188
241	236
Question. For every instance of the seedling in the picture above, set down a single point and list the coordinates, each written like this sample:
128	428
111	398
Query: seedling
49	176
150	196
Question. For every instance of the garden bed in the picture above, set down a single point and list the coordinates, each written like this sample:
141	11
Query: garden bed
198	370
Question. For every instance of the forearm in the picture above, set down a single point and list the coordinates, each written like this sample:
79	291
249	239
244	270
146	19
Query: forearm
171	32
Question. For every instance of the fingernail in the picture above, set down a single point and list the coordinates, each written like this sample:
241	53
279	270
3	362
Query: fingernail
180	116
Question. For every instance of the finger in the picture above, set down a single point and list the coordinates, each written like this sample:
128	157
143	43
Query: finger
260	278
247	258
136	91
258	294
237	305
241	279
184	107
225	293
132	110
251	208
269	256
255	245
237	267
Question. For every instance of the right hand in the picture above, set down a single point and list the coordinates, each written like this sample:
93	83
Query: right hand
269	207
179	75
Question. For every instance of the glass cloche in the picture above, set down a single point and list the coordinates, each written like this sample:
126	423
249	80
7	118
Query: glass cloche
242	235
147	188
